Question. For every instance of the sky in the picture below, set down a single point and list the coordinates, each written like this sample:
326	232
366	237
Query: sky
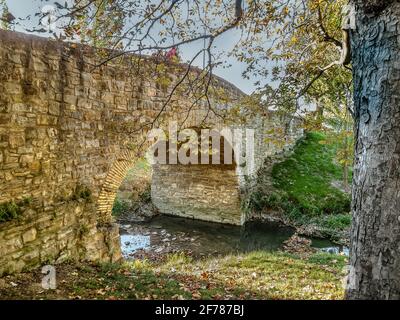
233	74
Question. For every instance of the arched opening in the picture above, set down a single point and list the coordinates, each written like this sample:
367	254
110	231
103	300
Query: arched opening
137	190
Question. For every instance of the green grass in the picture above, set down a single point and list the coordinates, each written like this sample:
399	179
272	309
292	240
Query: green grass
302	186
9	211
327	259
120	206
256	275
306	178
337	222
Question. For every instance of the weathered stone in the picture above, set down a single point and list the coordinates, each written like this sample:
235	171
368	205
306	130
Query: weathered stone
46	120
25	150
26	158
35	167
194	191
71	99
29	235
16	139
12	88
54	108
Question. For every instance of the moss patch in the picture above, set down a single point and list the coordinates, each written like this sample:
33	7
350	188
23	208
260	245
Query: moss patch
82	192
12	210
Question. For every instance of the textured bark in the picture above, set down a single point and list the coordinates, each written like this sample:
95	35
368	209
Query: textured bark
375	235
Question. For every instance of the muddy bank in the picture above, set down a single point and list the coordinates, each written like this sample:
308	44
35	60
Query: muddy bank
338	237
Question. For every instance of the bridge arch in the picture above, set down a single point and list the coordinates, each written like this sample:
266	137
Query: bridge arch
68	134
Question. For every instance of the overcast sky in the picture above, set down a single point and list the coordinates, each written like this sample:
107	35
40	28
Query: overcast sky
23	8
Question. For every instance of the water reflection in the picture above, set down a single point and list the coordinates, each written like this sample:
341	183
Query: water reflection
165	234
130	243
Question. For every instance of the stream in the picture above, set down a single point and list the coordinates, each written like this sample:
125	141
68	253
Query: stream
166	234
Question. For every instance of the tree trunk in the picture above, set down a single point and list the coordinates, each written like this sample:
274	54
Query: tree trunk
375	234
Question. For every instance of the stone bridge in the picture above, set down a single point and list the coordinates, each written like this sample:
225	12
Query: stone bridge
68	134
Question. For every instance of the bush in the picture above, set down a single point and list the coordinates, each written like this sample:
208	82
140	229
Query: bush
119	207
145	197
82	192
9	211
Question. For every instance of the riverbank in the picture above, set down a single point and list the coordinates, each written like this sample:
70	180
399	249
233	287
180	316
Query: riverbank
304	190
311	228
255	275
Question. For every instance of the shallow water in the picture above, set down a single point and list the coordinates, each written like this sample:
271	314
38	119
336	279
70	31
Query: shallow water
329	247
164	234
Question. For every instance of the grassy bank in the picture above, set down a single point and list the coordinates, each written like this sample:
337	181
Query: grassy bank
304	188
258	275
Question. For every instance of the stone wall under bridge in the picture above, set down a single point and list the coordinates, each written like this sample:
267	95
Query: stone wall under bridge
69	133
212	192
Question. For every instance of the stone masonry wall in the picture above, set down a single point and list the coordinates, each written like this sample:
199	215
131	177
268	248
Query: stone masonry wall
68	134
204	192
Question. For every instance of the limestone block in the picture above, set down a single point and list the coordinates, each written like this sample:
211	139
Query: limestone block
8	176
12	88
70	99
14	57
21	107
11	245
16	139
29	235
39	65
13	266
46	120
32	256
35	167
26	159
54	108
46	166
25	150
